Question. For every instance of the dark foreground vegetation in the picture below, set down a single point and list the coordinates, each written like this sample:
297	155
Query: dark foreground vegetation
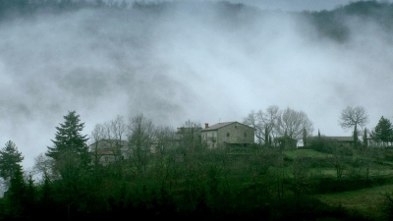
182	178
259	183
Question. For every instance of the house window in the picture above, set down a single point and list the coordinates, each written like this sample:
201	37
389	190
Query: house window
245	134
228	134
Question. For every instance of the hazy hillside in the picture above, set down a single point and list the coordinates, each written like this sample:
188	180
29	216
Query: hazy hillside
336	23
332	23
175	61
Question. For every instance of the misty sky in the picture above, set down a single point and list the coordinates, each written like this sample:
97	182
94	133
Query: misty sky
185	63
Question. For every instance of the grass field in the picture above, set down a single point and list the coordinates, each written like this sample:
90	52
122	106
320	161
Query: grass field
369	201
294	153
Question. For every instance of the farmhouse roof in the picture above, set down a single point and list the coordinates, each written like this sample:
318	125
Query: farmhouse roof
220	125
108	141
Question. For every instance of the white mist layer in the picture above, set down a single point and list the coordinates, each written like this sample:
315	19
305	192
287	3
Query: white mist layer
184	63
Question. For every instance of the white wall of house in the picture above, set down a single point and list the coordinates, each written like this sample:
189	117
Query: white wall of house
210	138
234	133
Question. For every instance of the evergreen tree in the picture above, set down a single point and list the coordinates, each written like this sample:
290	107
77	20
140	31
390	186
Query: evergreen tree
10	159
383	132
70	151
305	135
355	136
16	194
365	138
12	172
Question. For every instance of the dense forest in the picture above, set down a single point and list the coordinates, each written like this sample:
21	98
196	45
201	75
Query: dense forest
181	177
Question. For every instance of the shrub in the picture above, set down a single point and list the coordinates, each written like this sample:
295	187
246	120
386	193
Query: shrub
322	144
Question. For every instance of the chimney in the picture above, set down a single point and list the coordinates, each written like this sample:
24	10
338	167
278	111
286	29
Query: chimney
206	125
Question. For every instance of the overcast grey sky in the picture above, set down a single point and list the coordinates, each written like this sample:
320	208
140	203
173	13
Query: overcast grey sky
183	64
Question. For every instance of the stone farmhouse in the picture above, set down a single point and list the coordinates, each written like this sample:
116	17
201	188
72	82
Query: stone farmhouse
106	151
227	134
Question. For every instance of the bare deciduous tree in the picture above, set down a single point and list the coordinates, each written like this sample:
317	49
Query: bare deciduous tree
273	123
111	136
165	137
97	135
293	123
270	120
140	140
43	166
118	129
263	122
353	117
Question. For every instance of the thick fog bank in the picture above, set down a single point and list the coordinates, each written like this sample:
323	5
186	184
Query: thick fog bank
179	62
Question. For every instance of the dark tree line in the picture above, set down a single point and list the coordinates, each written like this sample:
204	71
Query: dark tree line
330	23
169	179
27	7
162	176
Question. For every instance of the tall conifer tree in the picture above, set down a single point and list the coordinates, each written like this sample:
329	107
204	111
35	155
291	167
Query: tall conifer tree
383	132
12	172
69	151
10	160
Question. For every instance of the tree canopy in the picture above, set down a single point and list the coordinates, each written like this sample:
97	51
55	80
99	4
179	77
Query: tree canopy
69	146
383	132
10	159
353	117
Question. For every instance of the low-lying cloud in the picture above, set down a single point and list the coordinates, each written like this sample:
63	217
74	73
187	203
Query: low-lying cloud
204	63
